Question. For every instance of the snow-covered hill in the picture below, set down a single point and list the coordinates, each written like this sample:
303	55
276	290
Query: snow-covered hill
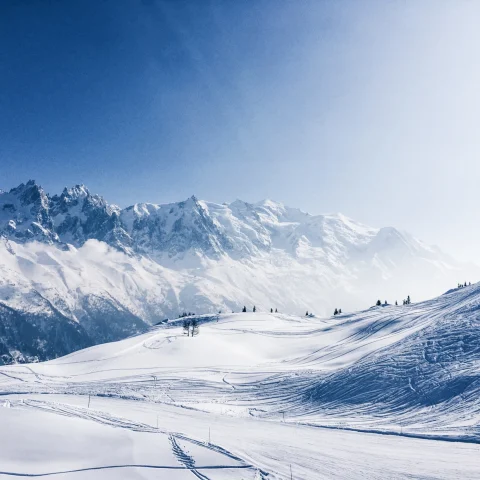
388	385
92	272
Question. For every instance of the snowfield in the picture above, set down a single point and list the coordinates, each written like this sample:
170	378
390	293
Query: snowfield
390	392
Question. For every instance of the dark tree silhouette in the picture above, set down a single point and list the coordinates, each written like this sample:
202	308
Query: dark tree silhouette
194	329
378	303
244	309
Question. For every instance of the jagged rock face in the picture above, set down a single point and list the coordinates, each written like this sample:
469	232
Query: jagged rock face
174	229
111	272
24	214
79	216
28	213
76	216
239	229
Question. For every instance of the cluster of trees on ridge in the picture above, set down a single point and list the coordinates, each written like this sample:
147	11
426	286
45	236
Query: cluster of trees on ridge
406	301
191	326
254	309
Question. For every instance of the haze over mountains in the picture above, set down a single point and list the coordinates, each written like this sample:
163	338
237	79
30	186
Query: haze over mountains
76	270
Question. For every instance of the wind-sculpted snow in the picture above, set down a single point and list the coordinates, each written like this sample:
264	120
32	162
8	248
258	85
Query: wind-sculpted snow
246	397
431	378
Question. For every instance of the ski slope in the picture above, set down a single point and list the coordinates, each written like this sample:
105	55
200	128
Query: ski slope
390	392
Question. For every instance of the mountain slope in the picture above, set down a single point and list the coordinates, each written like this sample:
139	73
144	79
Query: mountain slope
414	368
112	272
374	394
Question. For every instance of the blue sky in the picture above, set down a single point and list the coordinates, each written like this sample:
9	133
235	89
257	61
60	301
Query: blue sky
366	108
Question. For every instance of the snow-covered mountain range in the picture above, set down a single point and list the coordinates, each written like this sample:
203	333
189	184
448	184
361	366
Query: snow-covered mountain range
76	270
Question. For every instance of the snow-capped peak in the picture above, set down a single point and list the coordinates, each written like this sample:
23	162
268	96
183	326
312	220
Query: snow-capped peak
24	214
76	192
239	229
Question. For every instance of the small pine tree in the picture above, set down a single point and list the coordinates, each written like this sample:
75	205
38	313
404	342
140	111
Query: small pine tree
378	303
194	328
254	309
408	300
186	328
386	303
396	303
244	309
271	310
306	314
276	311
335	312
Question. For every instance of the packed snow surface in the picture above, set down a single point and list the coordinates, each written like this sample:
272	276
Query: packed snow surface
390	392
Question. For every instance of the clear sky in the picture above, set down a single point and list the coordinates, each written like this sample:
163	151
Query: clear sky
369	108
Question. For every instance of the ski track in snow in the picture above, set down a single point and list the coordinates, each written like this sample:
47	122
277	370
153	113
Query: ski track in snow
186	461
